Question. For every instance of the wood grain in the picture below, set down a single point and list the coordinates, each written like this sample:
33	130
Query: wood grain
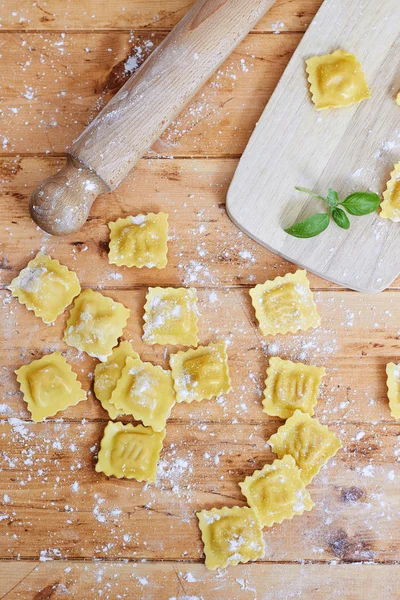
26	580
58	83
54	84
57	506
358	337
205	248
142	109
349	150
287	15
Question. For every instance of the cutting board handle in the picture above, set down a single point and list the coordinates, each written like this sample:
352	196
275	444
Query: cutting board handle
143	108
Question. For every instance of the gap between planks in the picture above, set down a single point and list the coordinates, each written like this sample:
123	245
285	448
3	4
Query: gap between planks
158	156
185	422
163	31
193	561
200	286
3	287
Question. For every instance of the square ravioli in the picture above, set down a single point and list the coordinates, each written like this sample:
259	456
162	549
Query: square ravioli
230	536
291	386
139	241
390	206
130	451
337	80
201	374
310	443
46	287
170	316
393	384
106	375
285	304
48	386
144	391
95	323
277	492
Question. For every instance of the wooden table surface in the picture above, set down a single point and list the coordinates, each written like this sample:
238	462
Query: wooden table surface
68	532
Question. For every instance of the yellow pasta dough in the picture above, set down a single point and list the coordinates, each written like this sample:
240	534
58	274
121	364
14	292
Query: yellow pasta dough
49	385
171	317
393	384
285	304
107	374
230	536
277	492
139	241
337	80
201	374
95	324
130	451
46	287
390	206
310	443
291	386
144	391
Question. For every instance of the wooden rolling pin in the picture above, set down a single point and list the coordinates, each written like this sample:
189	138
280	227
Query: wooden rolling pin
143	108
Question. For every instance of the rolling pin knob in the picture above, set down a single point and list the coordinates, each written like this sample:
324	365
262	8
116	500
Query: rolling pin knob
60	204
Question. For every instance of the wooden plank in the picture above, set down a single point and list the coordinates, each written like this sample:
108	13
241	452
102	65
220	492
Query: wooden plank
53	85
287	15
205	248
55	505
358	337
164	581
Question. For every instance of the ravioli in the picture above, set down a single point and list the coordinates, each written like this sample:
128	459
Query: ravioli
310	443
46	287
49	386
290	386
277	492
144	391
130	451
202	373
95	323
170	316
285	304
230	536
337	80
106	375
139	241
393	384
390	206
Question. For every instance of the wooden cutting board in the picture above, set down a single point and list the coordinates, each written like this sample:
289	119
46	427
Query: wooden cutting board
348	149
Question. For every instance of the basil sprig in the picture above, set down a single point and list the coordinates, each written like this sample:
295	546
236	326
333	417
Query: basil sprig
357	204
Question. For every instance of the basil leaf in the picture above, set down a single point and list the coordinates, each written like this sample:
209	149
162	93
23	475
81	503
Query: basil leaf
361	203
309	227
340	218
332	198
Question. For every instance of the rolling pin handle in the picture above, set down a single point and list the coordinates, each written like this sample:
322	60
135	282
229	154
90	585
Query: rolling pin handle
60	204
